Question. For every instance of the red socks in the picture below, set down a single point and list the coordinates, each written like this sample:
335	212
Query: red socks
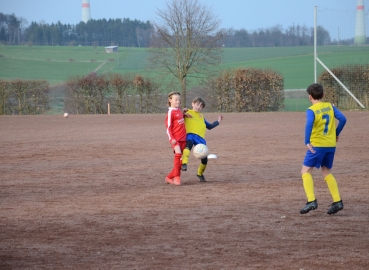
177	167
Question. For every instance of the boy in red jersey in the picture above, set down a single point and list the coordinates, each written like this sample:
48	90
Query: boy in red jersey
176	132
321	135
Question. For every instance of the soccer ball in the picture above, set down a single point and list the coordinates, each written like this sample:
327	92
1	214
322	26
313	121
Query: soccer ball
200	151
66	115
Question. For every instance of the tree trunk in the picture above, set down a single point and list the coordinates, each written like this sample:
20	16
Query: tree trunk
184	94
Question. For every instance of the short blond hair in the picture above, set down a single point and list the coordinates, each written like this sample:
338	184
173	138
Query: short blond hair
172	94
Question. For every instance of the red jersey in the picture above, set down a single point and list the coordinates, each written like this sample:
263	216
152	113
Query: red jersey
174	122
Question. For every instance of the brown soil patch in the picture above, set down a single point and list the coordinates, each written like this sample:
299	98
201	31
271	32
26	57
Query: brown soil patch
88	192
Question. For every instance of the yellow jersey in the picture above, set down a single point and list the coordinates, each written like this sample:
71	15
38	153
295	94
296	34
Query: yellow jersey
196	124
323	133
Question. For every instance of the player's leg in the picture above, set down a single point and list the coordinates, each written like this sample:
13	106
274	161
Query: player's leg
332	185
186	154
308	182
329	178
169	178
174	176
337	204
177	163
327	164
177	169
201	169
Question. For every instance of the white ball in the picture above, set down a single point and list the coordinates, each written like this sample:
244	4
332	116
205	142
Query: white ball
200	151
66	115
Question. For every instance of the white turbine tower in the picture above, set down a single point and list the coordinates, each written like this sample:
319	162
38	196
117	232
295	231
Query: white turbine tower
360	31
86	13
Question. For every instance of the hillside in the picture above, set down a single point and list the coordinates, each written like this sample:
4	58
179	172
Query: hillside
56	64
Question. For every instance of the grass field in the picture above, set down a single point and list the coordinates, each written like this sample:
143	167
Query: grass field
57	63
54	64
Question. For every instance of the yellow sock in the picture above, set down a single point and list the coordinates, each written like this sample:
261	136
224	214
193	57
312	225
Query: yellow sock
186	153
308	183
333	187
201	169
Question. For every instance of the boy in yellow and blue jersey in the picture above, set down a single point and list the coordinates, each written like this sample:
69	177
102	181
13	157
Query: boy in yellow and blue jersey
321	135
196	127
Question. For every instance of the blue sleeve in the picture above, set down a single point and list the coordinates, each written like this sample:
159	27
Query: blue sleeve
341	118
310	117
211	126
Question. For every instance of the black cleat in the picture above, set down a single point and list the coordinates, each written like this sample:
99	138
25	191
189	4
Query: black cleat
309	206
201	177
335	207
184	167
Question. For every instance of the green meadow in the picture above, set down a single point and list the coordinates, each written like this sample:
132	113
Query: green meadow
58	63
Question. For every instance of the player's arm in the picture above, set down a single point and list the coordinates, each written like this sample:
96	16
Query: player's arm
342	120
185	114
169	126
310	117
212	125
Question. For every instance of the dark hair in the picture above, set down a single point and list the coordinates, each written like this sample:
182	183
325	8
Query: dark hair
172	94
316	91
199	100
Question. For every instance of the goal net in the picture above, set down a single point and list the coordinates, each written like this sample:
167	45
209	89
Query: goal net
340	40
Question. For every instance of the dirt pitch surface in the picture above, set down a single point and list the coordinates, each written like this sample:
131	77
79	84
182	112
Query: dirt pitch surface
88	192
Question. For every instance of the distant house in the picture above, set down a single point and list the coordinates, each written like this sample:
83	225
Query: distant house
111	49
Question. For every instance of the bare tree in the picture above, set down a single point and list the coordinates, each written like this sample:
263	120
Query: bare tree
186	41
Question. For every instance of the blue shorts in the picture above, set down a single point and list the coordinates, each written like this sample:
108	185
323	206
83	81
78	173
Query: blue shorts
319	158
196	139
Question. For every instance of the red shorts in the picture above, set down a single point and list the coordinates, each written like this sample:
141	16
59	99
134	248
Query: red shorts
182	145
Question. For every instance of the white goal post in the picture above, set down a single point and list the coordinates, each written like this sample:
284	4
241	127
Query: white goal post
317	60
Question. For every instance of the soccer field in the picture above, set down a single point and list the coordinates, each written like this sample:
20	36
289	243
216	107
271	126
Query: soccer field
88	192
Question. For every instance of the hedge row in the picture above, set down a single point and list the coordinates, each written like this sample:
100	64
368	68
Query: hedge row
239	90
354	77
246	90
124	93
24	97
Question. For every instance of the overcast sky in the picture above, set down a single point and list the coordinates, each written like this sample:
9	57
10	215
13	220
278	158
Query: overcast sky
248	14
